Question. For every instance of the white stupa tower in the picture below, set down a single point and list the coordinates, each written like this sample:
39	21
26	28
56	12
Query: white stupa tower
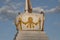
30	26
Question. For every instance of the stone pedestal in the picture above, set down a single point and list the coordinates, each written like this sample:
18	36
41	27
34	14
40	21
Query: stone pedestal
31	35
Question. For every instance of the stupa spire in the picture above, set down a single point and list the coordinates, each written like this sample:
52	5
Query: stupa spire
28	7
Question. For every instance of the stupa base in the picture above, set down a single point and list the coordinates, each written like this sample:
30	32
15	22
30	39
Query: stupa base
31	35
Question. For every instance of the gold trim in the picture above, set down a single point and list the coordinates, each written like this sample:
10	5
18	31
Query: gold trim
29	22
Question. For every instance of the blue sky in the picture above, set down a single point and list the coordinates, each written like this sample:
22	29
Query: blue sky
9	10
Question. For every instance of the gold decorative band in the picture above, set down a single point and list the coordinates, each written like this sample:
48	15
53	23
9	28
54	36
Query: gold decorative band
29	23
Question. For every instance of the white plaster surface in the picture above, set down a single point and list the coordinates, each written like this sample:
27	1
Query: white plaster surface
31	35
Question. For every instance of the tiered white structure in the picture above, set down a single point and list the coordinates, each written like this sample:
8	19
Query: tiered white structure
30	26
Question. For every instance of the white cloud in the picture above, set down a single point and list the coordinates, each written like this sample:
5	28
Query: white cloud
58	0
9	11
5	1
0	18
8	1
37	9
52	10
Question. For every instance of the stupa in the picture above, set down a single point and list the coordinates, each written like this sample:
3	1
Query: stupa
30	25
